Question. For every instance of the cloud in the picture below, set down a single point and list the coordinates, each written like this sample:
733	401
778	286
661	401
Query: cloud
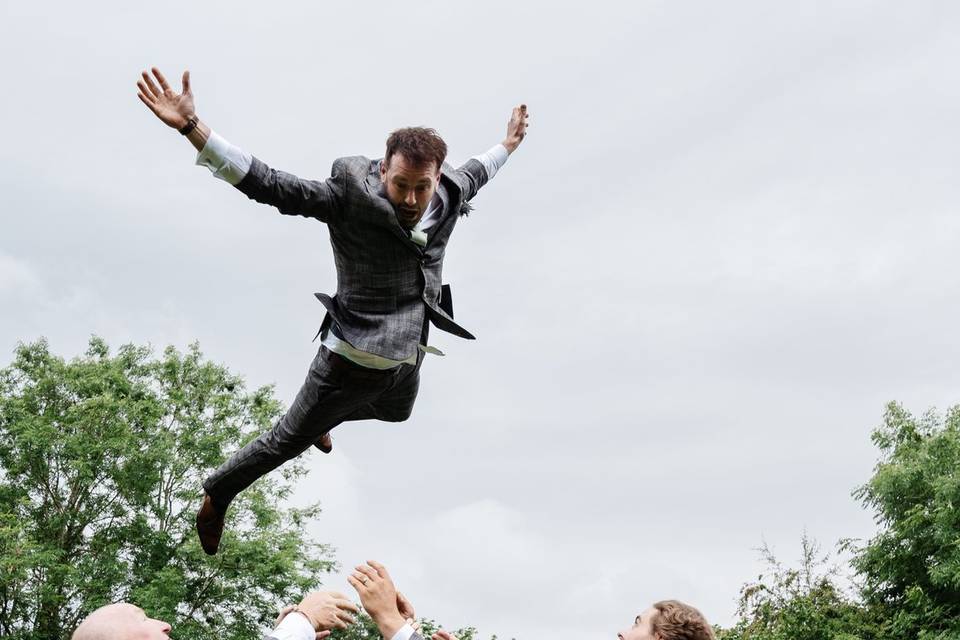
18	277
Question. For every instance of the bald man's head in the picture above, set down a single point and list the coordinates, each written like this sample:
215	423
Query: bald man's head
121	621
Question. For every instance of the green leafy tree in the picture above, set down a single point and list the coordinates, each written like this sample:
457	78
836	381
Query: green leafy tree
101	463
802	603
911	567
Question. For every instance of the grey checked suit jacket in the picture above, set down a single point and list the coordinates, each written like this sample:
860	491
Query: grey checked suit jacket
387	285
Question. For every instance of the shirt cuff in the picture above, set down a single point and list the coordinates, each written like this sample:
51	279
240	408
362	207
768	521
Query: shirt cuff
294	627
493	159
224	160
404	633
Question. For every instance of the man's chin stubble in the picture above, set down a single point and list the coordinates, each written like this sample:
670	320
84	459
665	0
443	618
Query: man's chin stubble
408	221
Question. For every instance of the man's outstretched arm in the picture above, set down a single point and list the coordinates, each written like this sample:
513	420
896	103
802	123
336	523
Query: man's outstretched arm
285	191
479	170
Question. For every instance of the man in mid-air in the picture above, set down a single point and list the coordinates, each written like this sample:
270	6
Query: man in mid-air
389	222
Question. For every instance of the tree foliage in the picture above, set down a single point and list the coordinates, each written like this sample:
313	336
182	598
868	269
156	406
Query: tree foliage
912	566
908	573
101	464
802	603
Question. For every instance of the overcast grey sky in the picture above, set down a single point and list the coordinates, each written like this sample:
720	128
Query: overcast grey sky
728	240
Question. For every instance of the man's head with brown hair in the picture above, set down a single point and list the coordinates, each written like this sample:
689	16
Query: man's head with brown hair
121	621
419	145
669	620
410	171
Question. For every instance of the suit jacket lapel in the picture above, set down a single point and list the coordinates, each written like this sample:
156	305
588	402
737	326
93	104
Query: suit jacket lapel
444	213
446	194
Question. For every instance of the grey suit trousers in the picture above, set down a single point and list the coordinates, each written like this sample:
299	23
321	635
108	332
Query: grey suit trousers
336	390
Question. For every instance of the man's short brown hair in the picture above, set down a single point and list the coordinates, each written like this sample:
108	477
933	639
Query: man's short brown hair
678	621
419	145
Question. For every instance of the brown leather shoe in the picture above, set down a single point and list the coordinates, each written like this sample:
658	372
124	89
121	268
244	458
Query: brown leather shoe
325	443
209	526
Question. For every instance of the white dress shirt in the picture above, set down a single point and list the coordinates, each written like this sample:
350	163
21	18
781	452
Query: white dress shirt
231	164
404	633
296	627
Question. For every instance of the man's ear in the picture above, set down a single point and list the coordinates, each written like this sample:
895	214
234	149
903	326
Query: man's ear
383	170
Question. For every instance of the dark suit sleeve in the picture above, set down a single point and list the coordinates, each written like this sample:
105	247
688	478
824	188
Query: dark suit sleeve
320	199
470	176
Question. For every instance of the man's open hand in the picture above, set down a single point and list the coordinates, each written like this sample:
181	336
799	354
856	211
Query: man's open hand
516	128
290	608
378	595
171	107
327	610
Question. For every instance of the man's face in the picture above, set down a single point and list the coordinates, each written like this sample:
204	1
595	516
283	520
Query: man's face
409	187
143	627
642	628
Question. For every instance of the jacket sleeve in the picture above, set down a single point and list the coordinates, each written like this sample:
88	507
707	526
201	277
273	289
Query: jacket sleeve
320	199
470	176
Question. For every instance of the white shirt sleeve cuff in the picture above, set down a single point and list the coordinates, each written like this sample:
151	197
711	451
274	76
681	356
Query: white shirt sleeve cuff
404	633
493	159
294	627
224	160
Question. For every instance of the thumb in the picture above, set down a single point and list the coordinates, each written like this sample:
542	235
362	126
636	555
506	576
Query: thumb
186	81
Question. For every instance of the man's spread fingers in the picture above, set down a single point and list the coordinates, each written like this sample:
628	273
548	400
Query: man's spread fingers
161	79
356	584
148	103
382	570
146	92
143	89
144	99
348	605
150	85
361	575
368	571
159	84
